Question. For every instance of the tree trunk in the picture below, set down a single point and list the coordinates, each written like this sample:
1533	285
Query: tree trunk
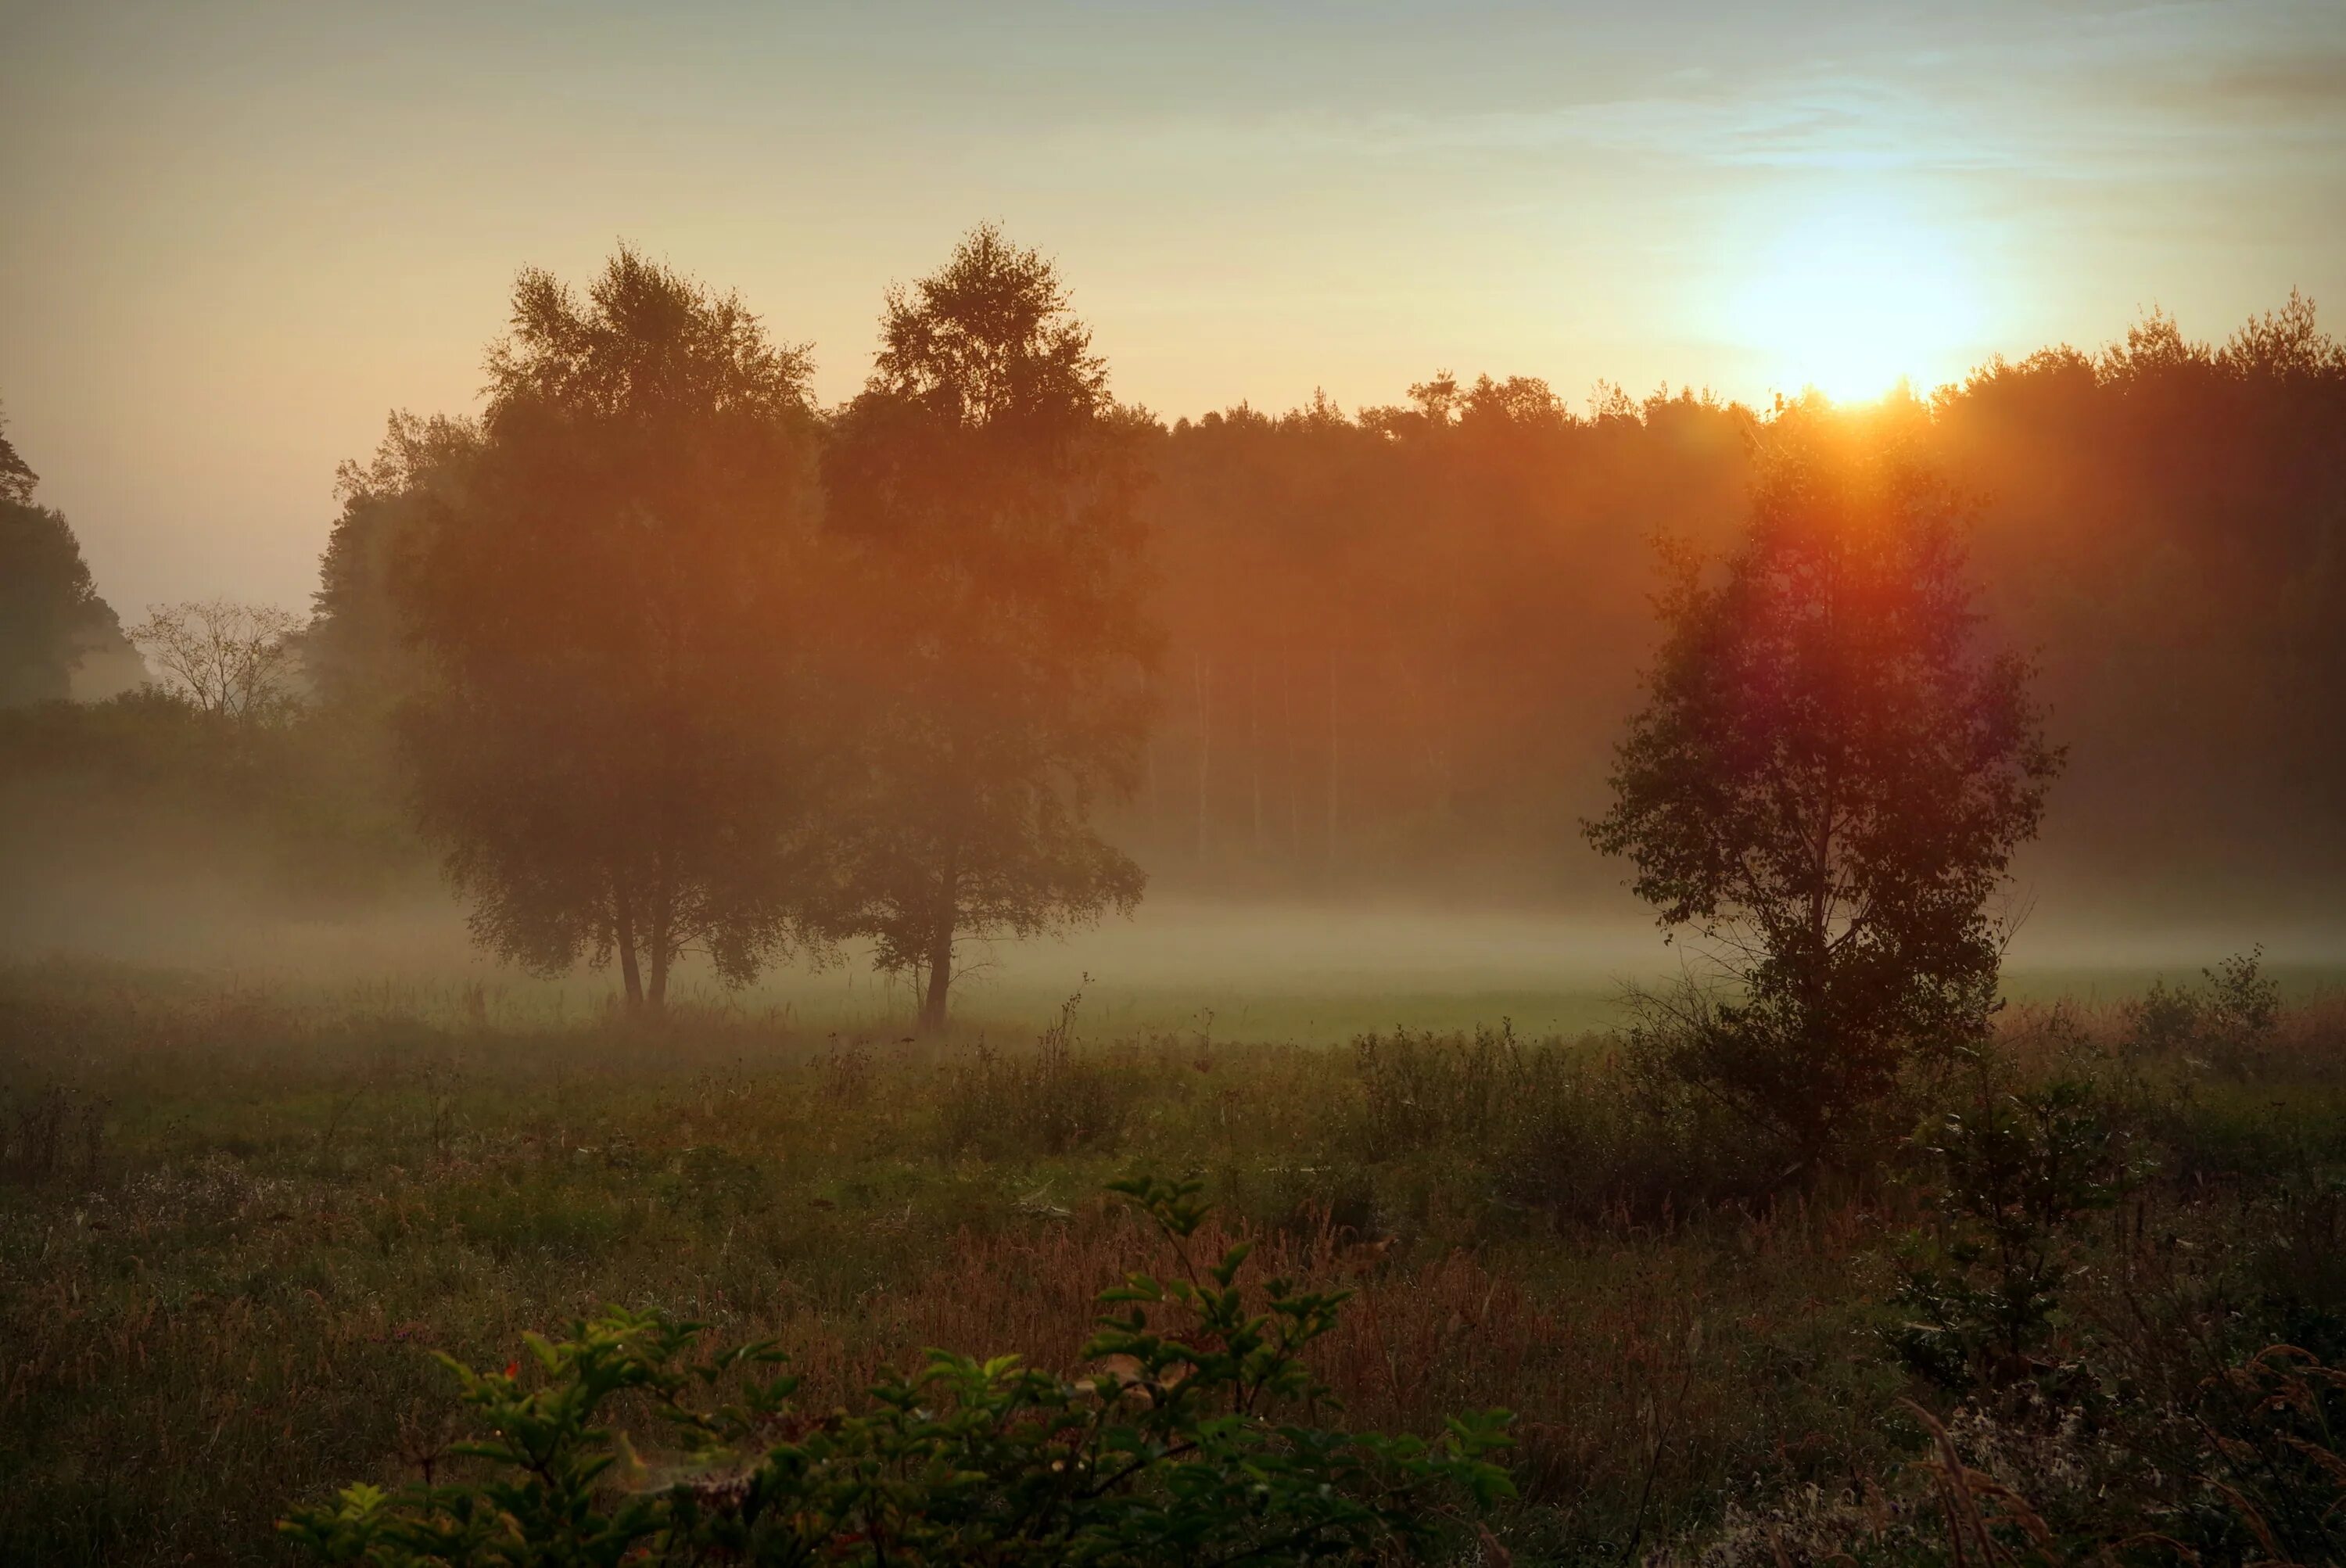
1205	749
1335	762
623	937
1154	826
663	942
1287	724
656	994
933	1004
1254	744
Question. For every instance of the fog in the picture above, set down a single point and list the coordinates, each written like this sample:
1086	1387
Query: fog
1230	968
1331	694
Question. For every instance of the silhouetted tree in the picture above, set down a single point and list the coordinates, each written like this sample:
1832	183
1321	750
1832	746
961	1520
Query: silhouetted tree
988	483
51	616
1827	783
17	479
50	613
606	742
230	661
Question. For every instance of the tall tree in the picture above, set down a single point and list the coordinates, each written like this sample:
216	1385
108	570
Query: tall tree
988	483
606	743
1827	783
51	616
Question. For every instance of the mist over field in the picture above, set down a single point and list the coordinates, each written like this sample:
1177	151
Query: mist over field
1240	968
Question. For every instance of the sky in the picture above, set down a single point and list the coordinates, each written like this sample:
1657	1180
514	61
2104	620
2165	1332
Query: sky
236	236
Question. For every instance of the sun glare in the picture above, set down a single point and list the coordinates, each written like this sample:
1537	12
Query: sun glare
1853	300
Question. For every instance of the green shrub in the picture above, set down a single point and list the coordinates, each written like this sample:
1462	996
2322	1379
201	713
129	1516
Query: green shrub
1186	1447
2228	1022
1982	1297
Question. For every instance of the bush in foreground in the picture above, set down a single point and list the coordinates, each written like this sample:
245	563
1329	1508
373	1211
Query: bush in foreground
1174	1452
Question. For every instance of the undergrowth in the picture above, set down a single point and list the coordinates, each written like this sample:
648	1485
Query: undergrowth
232	1229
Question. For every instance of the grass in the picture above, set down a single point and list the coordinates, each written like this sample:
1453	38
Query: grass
234	1220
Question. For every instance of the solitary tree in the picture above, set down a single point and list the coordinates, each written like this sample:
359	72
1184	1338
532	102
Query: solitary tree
987	484
604	737
233	661
1827	783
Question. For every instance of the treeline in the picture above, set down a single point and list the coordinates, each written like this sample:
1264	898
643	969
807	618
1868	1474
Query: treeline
1401	642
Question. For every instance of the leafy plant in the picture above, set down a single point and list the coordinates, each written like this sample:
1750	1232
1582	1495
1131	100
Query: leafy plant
2014	1172
2228	1022
1182	1448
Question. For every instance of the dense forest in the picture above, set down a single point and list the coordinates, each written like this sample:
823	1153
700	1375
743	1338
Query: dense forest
1384	650
1401	642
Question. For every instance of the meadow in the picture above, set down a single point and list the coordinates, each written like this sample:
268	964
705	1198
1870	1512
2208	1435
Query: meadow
234	1219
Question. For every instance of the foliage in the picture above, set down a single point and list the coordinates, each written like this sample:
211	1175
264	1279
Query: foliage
142	797
1826	786
1179	1450
355	650
50	613
1982	1296
2228	1022
988	486
18	480
610	745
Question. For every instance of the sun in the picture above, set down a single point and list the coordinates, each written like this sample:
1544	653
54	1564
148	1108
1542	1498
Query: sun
1854	300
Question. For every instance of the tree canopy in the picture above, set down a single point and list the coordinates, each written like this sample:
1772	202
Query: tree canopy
986	484
51	616
606	738
1828	780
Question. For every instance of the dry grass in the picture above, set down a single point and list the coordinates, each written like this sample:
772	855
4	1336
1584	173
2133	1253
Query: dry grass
226	1305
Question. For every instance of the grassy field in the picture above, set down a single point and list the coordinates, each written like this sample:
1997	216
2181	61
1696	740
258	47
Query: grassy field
234	1220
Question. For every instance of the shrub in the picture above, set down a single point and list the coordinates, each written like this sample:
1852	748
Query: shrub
2228	1022
1184	1448
2012	1173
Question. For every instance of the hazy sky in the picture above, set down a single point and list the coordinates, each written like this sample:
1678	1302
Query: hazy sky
236	235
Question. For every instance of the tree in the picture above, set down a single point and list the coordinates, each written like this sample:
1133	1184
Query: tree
354	650
17	479
51	616
1827	782
233	662
987	484
606	739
